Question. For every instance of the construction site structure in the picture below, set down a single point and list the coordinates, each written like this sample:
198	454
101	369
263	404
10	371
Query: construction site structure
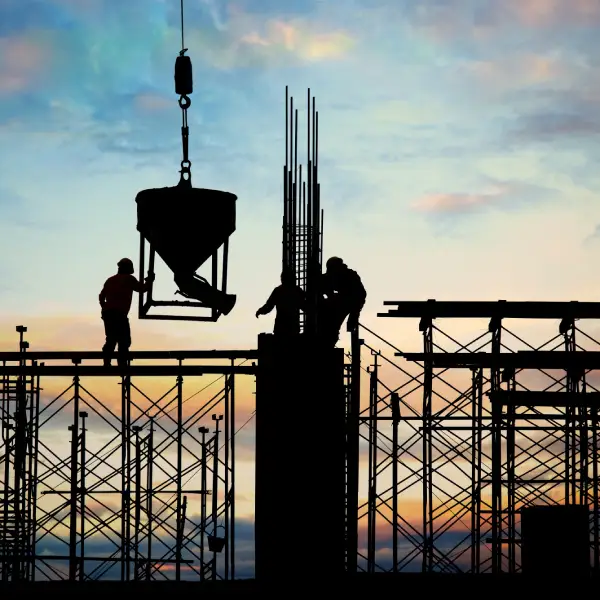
444	459
452	477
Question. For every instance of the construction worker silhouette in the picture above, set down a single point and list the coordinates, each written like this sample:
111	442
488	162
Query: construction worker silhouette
288	298
345	296
115	300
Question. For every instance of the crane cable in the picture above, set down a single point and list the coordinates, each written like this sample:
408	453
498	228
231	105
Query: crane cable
184	86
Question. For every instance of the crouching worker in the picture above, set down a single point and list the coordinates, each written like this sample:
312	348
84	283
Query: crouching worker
288	299
345	297
115	300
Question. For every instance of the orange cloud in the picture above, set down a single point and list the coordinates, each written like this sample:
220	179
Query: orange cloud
250	41
457	203
21	60
299	39
152	102
518	71
545	13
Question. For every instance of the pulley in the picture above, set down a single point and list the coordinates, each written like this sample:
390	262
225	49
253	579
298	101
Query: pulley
184	81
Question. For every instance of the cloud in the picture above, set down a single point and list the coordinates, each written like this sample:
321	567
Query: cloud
99	545
553	126
473	21
300	39
499	195
518	70
151	103
22	60
551	13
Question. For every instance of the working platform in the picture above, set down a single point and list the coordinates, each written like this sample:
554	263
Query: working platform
540	399
132	371
501	309
526	359
30	363
135	355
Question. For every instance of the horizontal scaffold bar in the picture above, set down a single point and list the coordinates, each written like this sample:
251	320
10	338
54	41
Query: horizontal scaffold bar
537	398
527	359
134	371
135	355
434	309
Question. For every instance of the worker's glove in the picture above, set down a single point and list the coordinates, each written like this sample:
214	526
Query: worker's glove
150	277
257	314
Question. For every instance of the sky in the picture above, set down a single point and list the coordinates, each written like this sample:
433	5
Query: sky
458	150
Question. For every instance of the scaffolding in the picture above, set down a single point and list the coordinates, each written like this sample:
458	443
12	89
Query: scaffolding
142	488
444	448
457	441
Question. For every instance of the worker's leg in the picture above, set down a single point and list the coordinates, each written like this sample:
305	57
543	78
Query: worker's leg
124	340
331	318
111	333
339	318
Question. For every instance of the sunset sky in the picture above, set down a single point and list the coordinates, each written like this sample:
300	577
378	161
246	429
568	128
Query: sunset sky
458	143
458	150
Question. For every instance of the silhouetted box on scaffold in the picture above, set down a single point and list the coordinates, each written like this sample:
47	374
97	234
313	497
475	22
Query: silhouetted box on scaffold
555	540
300	483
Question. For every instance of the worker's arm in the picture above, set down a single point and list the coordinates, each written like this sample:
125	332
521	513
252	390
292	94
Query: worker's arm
268	306
102	297
143	286
359	299
326	285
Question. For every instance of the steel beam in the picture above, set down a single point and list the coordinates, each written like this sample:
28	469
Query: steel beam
434	309
545	399
142	371
135	355
554	359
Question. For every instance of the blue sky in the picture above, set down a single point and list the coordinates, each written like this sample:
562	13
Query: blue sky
456	138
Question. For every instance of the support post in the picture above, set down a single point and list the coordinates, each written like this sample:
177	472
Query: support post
299	475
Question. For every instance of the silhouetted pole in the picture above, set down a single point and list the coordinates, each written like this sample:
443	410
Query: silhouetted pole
150	496
74	476
203	431
215	504
179	467
83	467
125	477
138	501
352	455
395	405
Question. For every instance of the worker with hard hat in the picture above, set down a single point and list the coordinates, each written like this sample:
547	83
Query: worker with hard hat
115	300
288	299
345	296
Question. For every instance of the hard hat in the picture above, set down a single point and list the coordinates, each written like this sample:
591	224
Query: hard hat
334	262
125	262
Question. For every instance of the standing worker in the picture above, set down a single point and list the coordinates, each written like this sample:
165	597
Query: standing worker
288	298
346	297
115	300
